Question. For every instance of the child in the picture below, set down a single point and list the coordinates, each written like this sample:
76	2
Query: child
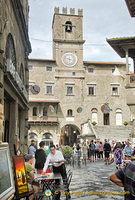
118	154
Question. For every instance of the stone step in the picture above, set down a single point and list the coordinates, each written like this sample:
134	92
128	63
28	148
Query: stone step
113	132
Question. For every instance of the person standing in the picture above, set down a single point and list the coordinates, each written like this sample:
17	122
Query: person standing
40	157
92	151
107	150
96	150
56	158
118	154
127	151
48	150
88	150
31	150
101	151
84	152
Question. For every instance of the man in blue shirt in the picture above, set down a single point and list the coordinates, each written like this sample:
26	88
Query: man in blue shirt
127	151
32	148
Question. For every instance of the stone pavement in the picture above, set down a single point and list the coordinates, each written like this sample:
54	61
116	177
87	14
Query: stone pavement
89	182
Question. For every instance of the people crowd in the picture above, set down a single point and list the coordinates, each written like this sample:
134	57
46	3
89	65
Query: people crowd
122	152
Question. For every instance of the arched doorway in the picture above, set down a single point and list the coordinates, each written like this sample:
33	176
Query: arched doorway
68	135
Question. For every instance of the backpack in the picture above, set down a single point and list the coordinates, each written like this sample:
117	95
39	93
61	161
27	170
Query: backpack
77	147
92	146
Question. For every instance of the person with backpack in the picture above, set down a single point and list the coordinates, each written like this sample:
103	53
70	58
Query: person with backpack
78	147
92	151
107	150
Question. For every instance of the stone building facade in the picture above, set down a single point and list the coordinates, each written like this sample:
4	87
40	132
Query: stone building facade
14	75
66	91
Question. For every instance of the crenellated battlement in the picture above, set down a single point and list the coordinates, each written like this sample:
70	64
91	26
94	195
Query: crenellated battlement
64	11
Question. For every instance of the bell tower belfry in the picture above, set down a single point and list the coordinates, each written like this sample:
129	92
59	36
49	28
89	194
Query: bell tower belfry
68	40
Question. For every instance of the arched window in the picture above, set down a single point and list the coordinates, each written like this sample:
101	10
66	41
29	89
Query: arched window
22	73
118	116
47	138
94	115
32	136
34	111
69	113
10	54
68	26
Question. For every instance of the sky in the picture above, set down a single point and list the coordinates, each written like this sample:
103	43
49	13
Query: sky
102	19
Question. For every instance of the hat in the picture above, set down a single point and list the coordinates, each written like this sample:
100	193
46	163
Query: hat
28	157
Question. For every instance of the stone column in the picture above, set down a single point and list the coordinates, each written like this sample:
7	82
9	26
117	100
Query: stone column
1	122
127	68
22	129
12	126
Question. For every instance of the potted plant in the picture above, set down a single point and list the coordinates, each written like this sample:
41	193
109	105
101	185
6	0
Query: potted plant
94	123
67	152
125	123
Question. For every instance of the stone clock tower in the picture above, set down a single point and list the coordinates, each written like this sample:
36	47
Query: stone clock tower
68	38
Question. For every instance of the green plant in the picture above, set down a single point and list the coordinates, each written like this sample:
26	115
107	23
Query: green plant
67	151
94	123
125	123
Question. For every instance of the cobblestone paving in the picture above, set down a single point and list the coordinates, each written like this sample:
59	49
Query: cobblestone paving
94	178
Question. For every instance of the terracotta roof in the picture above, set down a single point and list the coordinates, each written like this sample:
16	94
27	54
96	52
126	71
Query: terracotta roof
131	7
105	63
45	100
41	60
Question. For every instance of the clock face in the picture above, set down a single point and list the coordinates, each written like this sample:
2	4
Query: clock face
69	59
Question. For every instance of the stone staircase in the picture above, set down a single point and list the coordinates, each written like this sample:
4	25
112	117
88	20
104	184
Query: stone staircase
121	133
